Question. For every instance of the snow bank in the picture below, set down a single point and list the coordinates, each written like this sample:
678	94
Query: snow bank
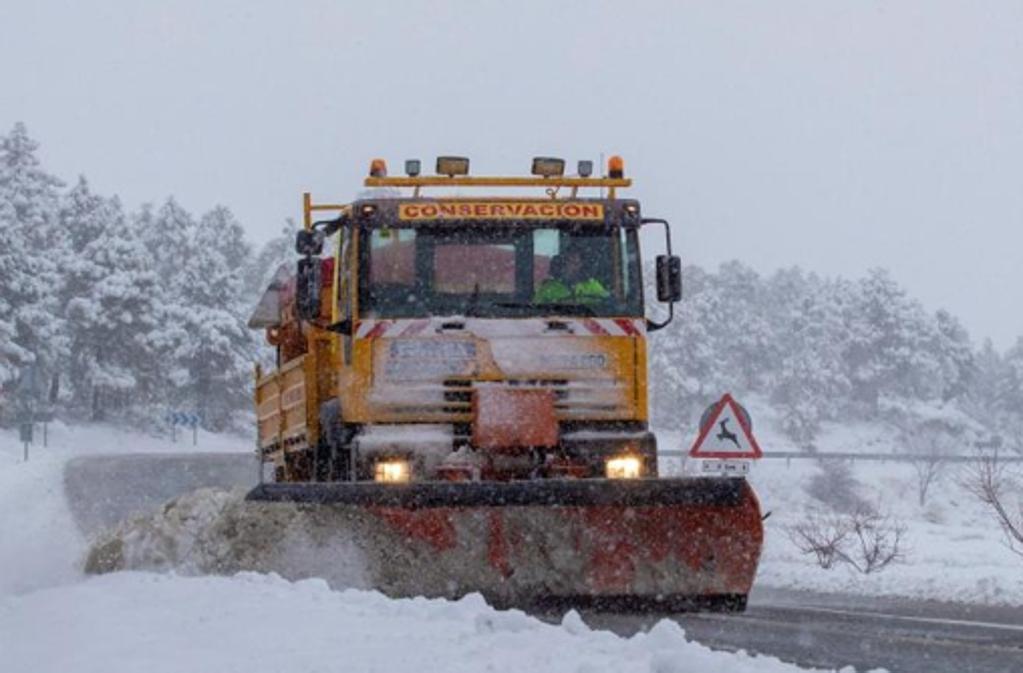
211	531
162	623
39	543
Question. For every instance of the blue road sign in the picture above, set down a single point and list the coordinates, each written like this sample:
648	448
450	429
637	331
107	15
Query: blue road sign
185	418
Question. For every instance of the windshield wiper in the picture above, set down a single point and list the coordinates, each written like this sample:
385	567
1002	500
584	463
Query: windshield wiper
474	302
550	307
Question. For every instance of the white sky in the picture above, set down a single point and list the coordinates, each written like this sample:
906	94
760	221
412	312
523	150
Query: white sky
832	135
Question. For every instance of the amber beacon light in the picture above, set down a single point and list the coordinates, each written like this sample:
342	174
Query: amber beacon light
615	167
378	168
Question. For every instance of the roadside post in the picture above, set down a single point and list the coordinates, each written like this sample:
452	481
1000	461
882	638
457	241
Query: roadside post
25	434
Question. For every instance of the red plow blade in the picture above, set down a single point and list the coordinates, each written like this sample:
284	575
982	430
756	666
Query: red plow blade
675	543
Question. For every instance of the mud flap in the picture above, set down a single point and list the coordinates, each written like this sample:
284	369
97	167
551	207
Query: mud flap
687	542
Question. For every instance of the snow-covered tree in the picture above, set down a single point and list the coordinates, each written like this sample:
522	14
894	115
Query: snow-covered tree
887	336
953	351
811	382
168	233
744	331
31	248
111	316
261	268
214	348
231	241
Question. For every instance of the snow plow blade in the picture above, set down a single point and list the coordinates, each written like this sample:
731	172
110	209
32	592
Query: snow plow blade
680	543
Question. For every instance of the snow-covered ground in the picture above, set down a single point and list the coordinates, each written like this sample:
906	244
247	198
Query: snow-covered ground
955	550
146	622
52	619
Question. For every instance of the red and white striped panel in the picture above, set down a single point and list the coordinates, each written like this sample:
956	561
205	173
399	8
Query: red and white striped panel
502	327
612	326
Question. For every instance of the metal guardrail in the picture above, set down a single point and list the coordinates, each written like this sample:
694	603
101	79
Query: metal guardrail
882	457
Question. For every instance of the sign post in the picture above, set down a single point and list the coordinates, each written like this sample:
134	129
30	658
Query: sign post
176	418
25	434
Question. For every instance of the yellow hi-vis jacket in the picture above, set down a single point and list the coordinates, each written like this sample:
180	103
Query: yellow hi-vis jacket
554	291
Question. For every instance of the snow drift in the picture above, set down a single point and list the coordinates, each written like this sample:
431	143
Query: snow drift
215	531
134	622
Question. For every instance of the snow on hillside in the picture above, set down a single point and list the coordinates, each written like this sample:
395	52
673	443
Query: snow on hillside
144	622
955	550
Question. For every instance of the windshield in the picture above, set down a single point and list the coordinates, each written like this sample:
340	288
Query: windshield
493	270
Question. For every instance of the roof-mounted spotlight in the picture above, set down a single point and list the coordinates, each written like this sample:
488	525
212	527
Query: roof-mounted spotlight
378	168
585	168
548	167
615	167
452	166
412	167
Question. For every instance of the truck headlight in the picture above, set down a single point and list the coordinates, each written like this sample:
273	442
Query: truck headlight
623	467
392	471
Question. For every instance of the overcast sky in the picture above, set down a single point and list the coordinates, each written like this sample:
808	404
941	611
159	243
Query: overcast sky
836	136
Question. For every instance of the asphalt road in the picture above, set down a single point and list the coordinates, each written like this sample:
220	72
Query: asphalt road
106	489
810	629
832	630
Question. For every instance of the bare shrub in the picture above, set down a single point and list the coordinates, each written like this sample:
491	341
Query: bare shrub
836	487
878	541
821	536
1014	433
865	539
988	480
931	444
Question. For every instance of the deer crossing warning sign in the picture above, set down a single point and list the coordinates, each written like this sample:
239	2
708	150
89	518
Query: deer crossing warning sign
725	432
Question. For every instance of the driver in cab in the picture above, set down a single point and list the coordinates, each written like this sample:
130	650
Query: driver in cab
569	283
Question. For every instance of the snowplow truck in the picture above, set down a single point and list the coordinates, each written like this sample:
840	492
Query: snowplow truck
461	394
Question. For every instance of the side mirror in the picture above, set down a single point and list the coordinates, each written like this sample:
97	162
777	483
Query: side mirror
308	242
307	288
669	278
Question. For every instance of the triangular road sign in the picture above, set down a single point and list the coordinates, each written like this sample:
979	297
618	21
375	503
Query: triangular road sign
727	434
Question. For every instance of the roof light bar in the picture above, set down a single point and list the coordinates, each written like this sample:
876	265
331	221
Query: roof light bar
548	167
452	166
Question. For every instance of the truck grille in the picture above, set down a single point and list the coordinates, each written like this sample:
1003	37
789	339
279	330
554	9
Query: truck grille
451	401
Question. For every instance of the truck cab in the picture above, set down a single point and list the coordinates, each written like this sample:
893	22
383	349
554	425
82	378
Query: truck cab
464	337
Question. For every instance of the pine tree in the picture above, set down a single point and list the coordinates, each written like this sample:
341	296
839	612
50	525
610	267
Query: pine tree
887	347
17	288
216	351
279	250
31	251
112	317
168	234
953	351
83	215
226	235
810	383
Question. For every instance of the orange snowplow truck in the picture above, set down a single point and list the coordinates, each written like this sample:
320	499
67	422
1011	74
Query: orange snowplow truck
461	389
